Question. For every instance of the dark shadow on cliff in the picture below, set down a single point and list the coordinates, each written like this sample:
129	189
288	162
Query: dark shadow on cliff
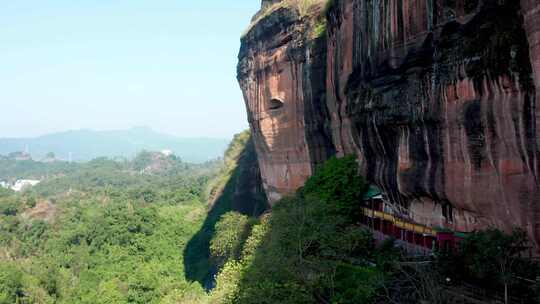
242	192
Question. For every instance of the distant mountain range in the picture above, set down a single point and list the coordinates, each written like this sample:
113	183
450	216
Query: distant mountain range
85	145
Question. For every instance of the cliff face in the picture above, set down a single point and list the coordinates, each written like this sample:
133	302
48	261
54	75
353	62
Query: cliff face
436	97
282	77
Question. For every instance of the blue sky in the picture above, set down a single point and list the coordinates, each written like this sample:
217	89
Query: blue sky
104	64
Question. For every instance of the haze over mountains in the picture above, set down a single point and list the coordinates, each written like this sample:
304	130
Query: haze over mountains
85	145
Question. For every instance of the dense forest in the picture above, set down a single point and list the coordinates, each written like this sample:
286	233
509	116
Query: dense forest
158	230
105	231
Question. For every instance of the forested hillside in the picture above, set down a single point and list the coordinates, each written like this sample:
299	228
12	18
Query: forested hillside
118	231
102	231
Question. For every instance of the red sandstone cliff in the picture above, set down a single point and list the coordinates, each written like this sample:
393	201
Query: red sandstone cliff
437	98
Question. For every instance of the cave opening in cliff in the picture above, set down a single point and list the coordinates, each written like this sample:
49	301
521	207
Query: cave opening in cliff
275	104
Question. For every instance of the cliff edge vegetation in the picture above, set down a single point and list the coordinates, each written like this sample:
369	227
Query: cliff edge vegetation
236	187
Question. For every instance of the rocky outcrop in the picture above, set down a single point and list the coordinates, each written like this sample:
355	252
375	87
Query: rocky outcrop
437	98
282	76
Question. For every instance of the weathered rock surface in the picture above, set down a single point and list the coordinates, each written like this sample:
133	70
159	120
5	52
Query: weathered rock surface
439	99
286	109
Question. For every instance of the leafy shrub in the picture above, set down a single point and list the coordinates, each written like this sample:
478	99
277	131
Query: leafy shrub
339	184
9	207
228	283
231	232
492	259
11	284
356	284
319	29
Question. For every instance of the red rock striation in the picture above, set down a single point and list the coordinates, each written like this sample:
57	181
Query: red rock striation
286	108
438	99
